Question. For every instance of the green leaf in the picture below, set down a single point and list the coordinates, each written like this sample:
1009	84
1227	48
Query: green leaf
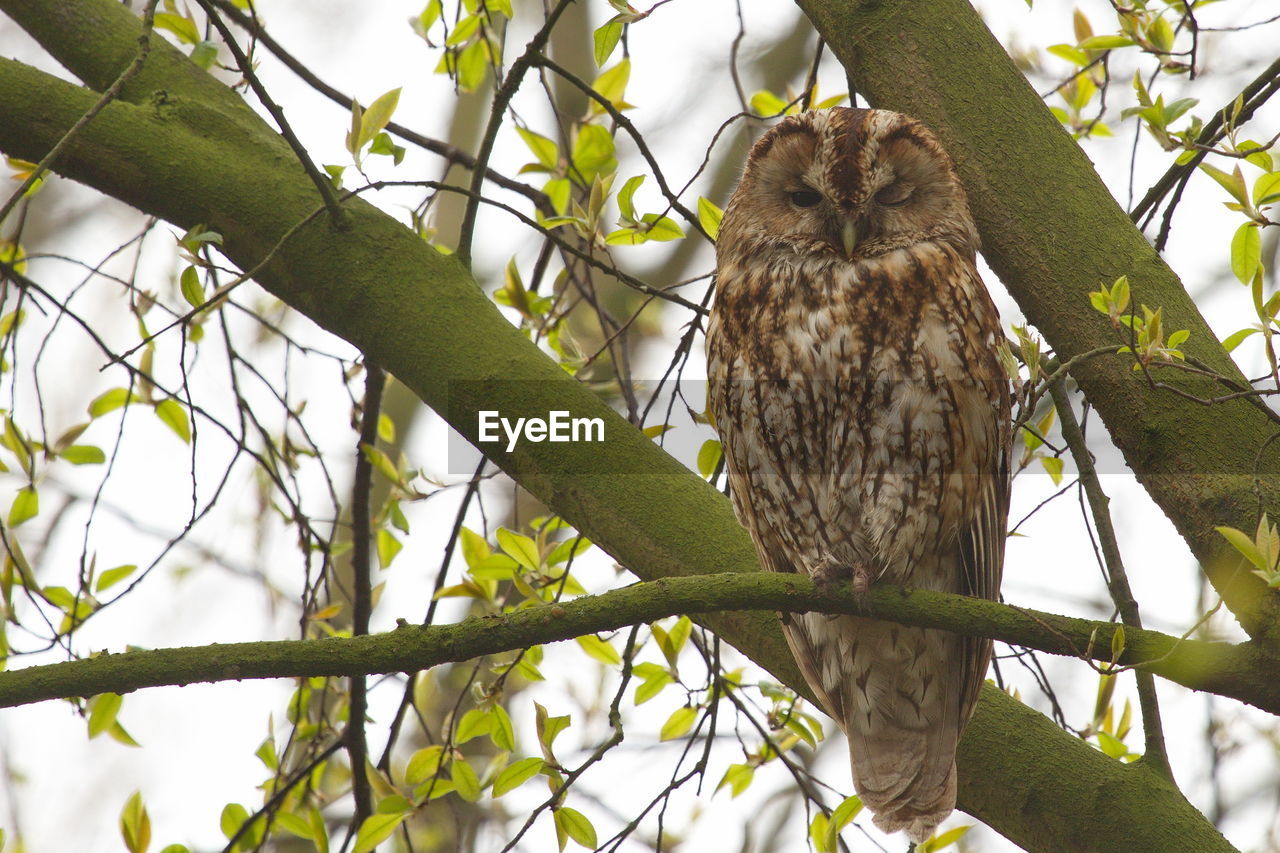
183	28
612	83
376	829
1053	466
576	826
381	461
625	205
1246	252
109	401
661	228
295	824
652	686
599	649
1266	190
1105	42
502	733
205	53
1070	53
765	103
111	577
174	415
944	840
474	547
709	457
26	506
593	153
818	833
465	781
546	150
1236	338
1243	543
474	723
845	813
377	116
232	818
387	545
568	549
605	39
1232	183
515	775
135	824
192	290
424	764
464	30
103	709
738	777
83	454
679	723
522	549
709	217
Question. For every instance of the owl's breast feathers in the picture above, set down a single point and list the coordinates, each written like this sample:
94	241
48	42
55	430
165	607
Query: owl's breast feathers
859	403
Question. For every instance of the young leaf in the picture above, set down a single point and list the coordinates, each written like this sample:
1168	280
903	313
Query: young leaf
679	723
174	416
26	506
709	217
605	39
502	733
103	709
516	774
612	83
625	205
475	722
1246	252
576	826
546	150
520	548
465	781
599	649
376	829
135	824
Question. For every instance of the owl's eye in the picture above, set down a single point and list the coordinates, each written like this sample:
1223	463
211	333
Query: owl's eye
805	198
894	194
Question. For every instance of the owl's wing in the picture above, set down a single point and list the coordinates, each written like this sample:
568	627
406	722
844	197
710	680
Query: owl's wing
982	541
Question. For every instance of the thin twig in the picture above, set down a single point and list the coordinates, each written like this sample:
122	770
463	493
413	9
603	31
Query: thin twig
362	593
451	153
500	101
1254	95
322	183
1117	579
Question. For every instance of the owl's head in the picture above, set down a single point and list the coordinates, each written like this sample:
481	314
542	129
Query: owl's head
856	182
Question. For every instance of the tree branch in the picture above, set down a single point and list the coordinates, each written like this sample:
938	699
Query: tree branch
1240	671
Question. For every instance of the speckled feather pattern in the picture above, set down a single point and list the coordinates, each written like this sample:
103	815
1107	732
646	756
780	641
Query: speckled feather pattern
864	414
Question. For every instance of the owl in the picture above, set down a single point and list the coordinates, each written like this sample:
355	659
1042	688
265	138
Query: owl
856	384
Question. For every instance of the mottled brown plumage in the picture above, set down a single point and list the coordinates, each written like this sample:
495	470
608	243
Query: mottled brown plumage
855	381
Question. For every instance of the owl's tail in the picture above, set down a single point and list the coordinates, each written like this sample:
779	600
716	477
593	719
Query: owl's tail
902	719
896	692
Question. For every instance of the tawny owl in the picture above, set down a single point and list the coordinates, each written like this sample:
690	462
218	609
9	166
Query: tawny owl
864	412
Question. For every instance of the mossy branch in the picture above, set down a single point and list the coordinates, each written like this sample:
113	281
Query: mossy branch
1241	671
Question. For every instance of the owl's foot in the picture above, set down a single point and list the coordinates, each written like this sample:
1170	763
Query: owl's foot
827	574
862	578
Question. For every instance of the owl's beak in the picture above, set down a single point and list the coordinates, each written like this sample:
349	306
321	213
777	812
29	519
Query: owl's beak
849	236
